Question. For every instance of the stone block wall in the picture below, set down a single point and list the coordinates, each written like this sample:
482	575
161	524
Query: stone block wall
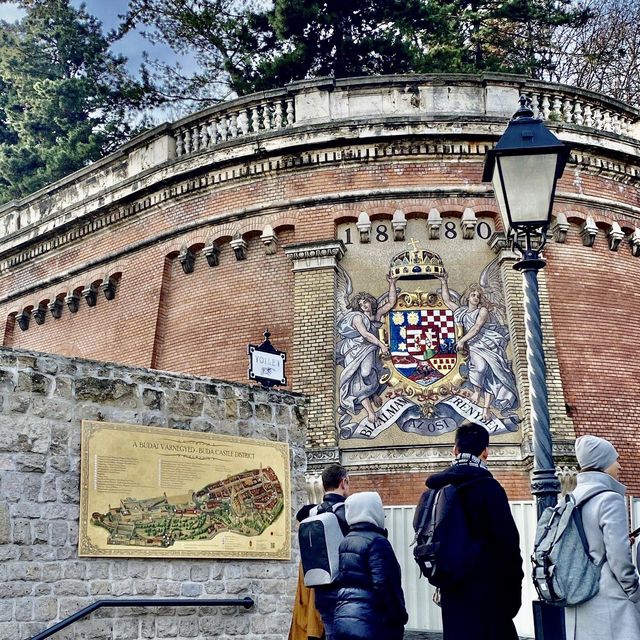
43	399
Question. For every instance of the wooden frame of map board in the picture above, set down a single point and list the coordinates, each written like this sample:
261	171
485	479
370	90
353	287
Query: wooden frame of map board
153	492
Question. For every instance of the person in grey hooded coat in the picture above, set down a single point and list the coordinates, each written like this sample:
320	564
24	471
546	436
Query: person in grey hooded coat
370	600
615	611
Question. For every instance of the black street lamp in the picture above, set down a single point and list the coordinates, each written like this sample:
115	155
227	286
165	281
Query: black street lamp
524	167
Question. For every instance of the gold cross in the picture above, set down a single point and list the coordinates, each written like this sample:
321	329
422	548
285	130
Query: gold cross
414	244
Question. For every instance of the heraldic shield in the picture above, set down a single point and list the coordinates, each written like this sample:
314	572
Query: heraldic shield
422	335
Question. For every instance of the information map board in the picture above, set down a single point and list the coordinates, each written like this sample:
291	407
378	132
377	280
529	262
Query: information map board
155	492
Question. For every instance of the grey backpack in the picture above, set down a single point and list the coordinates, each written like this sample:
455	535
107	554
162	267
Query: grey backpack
564	573
320	536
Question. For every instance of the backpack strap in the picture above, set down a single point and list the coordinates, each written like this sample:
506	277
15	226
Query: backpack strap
578	521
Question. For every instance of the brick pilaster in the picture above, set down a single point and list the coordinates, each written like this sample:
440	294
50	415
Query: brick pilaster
314	266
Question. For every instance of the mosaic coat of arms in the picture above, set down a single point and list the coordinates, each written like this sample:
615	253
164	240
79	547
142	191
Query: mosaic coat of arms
425	360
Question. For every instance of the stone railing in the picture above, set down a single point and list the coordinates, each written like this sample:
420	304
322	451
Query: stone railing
230	121
269	121
556	103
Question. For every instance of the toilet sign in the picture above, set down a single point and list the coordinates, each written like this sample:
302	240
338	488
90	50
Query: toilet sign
266	363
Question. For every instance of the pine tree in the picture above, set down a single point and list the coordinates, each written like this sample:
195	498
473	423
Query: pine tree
242	46
65	99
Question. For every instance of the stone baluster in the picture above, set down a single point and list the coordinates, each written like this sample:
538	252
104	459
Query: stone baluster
195	139
597	118
615	124
624	125
567	110
222	128
545	106
535	105
213	132
278	114
588	115
577	113
204	135
266	116
187	141
243	122
557	108
179	144
290	113
233	125
255	119
606	121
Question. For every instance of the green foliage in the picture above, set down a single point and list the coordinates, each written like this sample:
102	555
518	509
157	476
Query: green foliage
65	99
245	46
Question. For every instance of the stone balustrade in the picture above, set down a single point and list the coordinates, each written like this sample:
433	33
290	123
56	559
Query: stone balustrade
276	121
228	122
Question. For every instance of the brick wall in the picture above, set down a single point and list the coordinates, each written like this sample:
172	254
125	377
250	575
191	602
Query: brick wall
595	301
42	401
405	488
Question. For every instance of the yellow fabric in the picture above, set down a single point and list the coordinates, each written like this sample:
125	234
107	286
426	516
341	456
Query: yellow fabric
305	622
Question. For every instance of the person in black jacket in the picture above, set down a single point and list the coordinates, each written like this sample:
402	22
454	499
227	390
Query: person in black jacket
484	605
370	600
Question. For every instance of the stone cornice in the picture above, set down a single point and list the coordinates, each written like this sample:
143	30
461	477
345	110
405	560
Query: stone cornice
442	114
308	256
53	233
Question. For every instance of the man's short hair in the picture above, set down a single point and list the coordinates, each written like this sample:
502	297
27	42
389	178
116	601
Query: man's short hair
472	438
332	476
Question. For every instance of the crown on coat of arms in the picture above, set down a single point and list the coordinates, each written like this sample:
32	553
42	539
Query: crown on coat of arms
416	263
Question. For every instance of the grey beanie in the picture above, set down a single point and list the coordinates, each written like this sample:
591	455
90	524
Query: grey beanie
365	506
595	453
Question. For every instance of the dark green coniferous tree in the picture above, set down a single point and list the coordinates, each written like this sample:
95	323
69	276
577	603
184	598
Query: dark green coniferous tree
65	99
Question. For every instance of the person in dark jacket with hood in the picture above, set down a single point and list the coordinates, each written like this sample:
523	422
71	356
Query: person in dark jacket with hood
483	606
370	600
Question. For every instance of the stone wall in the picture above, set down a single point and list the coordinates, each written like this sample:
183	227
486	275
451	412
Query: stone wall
43	399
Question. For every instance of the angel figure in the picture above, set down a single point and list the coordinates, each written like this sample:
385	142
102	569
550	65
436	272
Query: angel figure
358	348
480	311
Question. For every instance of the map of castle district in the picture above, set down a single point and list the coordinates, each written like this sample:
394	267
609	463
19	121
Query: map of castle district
155	492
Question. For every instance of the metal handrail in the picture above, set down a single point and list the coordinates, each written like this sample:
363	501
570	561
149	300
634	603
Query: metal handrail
245	602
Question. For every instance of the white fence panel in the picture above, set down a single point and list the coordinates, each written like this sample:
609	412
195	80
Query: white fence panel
424	615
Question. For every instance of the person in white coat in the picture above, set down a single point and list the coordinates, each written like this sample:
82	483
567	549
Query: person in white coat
615	610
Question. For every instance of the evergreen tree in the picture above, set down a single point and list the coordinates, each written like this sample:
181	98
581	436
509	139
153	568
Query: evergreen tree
65	100
243	46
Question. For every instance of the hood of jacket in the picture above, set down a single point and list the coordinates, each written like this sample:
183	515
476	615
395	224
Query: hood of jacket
365	506
456	474
591	482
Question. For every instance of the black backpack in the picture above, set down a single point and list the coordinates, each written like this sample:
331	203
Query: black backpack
445	550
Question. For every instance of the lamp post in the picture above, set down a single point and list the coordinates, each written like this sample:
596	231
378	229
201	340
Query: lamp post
524	167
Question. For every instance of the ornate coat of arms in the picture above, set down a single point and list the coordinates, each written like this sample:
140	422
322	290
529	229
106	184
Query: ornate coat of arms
426	361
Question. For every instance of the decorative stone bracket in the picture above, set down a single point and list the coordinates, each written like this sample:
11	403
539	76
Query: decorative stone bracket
399	224
39	314
239	246
560	228
434	223
615	236
364	227
588	232
212	254
634	241
23	320
55	308
469	223
187	259
269	240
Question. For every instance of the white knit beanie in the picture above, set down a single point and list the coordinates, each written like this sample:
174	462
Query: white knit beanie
365	506
595	453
